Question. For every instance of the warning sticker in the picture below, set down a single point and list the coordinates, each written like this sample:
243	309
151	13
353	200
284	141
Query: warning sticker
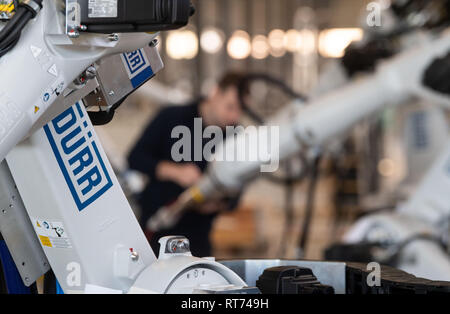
102	8
52	234
47	98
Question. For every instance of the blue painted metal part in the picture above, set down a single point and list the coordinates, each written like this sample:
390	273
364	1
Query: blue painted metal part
59	290
13	280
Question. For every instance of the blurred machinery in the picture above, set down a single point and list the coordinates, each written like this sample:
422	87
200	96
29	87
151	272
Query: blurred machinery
404	64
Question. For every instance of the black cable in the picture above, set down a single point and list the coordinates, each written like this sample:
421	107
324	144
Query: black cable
12	22
245	83
10	34
16	32
309	210
399	248
11	46
288	180
289	217
33	288
243	90
50	282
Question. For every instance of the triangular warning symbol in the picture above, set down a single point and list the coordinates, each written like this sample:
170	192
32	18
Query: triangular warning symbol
36	109
35	51
37	224
53	70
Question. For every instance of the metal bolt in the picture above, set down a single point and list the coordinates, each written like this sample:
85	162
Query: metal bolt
73	33
91	72
154	43
113	37
134	256
83	28
111	93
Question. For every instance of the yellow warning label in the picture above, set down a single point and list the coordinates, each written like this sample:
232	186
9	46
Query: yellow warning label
52	234
36	109
45	241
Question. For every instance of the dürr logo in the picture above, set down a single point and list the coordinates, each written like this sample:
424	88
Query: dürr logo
71	137
135	61
137	67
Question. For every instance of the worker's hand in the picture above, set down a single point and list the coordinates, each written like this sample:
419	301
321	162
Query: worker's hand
185	175
211	207
188	175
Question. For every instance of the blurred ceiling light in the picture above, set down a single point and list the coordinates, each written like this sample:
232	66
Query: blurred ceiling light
239	46
260	47
333	42
212	40
276	42
182	45
309	42
292	40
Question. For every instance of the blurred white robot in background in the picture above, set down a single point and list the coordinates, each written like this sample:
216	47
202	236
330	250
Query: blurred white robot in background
415	236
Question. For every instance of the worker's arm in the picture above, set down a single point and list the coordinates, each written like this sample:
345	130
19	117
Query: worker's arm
184	175
224	204
147	155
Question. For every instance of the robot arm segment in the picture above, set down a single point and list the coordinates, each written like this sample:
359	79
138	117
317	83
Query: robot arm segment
50	55
323	119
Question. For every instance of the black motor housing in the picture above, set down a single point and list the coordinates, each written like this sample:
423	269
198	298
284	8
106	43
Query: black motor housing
120	16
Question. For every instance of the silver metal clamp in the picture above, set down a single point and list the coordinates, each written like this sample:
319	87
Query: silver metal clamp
32	5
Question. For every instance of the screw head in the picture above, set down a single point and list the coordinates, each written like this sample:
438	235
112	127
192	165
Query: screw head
73	33
113	37
154	43
134	256
91	72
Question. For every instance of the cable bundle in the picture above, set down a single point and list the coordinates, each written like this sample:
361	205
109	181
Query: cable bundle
10	34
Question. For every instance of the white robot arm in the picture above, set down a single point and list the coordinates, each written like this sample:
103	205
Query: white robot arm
57	47
68	56
325	118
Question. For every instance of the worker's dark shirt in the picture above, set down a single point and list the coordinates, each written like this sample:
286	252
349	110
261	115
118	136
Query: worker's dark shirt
156	146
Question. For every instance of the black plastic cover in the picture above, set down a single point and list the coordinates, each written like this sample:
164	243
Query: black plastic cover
291	280
137	16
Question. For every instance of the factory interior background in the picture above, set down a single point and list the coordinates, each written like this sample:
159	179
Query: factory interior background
291	40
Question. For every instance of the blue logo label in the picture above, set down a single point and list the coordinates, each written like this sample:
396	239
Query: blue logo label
135	61
71	138
138	67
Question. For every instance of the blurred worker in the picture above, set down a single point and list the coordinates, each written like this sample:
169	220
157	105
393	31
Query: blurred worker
152	156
